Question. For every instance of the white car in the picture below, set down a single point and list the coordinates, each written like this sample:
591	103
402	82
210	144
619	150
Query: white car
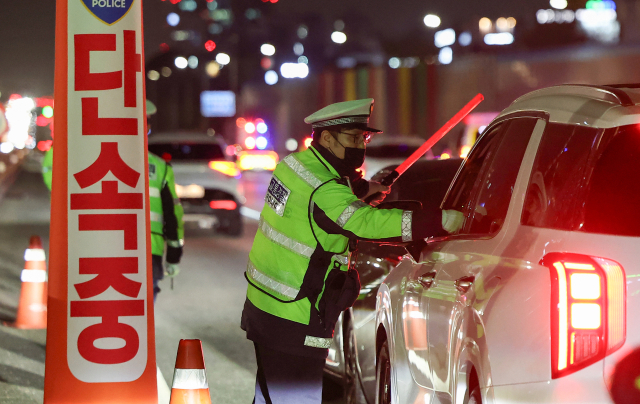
207	181
536	297
385	150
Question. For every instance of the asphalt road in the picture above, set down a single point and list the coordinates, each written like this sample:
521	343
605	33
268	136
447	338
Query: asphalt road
205	302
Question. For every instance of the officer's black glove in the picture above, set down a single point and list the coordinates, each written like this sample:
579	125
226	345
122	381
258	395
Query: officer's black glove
427	223
174	254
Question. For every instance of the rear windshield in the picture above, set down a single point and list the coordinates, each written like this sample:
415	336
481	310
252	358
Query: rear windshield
391	150
586	179
187	151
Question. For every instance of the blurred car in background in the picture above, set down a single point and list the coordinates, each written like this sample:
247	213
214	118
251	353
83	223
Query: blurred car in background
384	150
258	160
536	296
207	181
351	360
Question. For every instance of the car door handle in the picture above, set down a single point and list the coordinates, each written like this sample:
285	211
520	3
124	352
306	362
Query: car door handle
426	279
464	284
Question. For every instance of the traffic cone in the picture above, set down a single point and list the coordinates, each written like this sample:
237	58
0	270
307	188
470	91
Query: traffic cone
32	306
189	377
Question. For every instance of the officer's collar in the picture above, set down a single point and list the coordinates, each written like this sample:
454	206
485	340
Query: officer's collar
337	164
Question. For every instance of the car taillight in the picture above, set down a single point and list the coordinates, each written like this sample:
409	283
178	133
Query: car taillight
225	205
588	310
225	167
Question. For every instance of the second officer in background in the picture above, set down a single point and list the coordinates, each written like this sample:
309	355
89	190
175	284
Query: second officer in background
299	282
166	216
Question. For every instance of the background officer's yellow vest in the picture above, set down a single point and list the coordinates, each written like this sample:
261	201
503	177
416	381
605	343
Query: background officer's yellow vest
160	175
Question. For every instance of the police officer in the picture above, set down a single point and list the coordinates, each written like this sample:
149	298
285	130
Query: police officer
298	275
165	211
166	216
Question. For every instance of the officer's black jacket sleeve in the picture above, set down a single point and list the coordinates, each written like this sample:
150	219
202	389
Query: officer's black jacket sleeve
169	214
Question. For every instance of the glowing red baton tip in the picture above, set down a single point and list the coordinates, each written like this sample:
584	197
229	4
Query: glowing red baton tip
439	134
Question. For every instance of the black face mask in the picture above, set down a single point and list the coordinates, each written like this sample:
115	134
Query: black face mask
353	156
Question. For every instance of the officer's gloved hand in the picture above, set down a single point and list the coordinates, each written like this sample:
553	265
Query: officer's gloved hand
380	191
171	270
452	220
173	254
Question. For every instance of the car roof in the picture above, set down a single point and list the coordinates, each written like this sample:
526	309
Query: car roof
586	105
176	137
379	140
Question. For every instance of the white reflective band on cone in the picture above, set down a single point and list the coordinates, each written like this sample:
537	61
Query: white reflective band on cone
34	254
33	275
189	379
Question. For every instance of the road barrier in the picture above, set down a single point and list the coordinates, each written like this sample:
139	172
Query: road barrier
32	306
189	377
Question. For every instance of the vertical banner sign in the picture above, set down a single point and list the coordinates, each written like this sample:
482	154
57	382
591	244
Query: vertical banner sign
100	340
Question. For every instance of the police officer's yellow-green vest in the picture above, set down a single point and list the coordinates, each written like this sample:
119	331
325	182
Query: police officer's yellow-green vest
160	176
47	167
284	243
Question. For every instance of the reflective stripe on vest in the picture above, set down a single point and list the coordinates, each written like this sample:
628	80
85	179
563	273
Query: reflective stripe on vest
349	211
297	167
284	241
175	243
407	217
343	259
155	217
270	283
317	342
154	192
291	244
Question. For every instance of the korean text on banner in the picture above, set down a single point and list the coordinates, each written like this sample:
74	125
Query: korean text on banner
100	341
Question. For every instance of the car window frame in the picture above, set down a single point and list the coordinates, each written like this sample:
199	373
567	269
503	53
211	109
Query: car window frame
539	115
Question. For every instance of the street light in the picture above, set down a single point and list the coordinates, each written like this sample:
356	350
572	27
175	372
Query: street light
267	49
181	62
432	21
338	37
223	59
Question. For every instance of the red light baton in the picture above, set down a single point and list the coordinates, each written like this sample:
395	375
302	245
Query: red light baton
393	175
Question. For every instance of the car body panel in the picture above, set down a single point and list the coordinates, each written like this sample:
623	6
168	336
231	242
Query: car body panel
373	262
500	326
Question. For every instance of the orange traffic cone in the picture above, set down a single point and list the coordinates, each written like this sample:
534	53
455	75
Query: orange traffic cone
189	377
32	307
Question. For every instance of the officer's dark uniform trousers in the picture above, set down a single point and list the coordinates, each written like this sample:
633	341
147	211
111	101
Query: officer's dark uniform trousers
283	378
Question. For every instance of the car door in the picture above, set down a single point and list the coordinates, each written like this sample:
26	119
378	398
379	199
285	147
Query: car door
482	191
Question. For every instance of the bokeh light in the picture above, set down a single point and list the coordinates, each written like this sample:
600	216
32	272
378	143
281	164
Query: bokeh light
173	19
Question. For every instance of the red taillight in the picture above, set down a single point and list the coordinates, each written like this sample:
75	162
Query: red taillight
588	308
226	205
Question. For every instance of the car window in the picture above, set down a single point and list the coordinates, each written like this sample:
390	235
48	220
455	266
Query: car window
428	183
496	187
181	151
461	192
557	177
613	191
391	150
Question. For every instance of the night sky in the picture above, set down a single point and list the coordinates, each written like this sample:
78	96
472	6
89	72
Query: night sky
27	28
